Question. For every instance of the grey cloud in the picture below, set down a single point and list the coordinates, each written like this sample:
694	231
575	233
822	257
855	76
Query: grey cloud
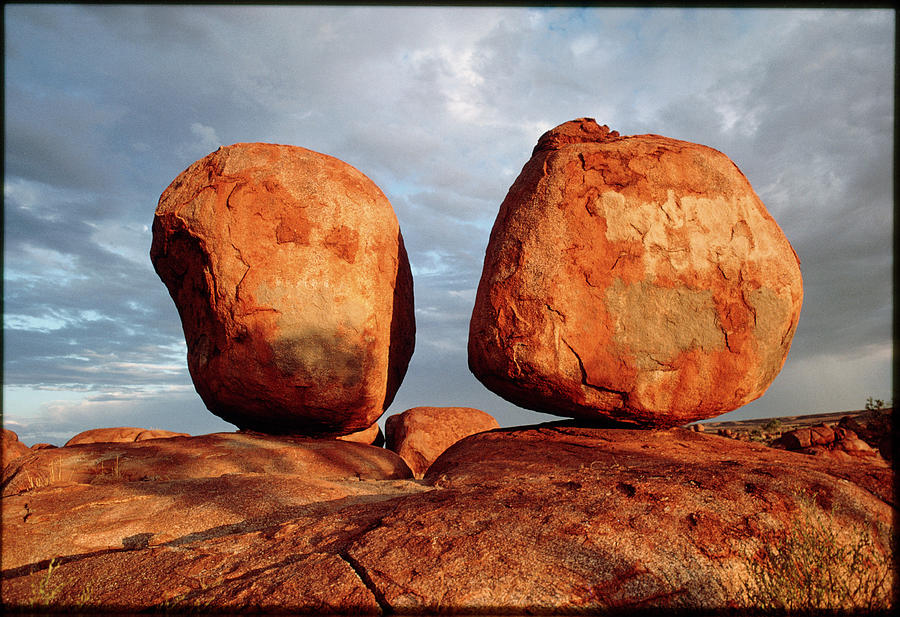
440	107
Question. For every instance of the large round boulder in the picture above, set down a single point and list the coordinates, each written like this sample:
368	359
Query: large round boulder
293	285
634	279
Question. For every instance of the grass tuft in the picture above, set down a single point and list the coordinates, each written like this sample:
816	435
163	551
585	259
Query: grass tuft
822	566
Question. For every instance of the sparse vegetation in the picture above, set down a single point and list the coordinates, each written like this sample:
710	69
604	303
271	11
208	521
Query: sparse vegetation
45	591
52	476
876	404
822	566
772	426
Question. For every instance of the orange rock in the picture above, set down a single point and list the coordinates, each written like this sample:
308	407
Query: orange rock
857	447
201	456
105	496
875	427
553	518
293	285
371	436
120	434
421	434
635	279
12	448
821	435
801	438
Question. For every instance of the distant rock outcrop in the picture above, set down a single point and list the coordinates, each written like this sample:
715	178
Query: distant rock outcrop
875	427
634	279
421	434
840	443
120	434
293	285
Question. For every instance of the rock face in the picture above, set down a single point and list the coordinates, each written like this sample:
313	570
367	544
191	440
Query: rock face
293	285
105	496
527	520
421	434
12	448
636	279
120	434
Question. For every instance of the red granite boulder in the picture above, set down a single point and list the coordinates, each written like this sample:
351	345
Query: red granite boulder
12	448
421	434
293	285
634	279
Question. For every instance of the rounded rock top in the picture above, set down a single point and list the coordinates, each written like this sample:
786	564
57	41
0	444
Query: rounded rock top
633	279
292	282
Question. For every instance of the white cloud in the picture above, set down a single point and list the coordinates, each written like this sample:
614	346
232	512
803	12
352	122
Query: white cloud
205	141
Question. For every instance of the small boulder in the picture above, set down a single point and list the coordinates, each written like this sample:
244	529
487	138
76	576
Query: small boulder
633	279
841	433
421	434
122	434
821	435
293	286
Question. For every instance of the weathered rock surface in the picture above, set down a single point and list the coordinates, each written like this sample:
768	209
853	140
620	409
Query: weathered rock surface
637	279
12	448
545	518
97	497
421	434
120	434
293	285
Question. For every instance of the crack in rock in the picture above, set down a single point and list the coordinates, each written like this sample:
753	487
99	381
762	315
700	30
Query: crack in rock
363	575
584	376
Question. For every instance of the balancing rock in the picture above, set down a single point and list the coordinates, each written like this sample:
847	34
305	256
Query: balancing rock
636	279
293	286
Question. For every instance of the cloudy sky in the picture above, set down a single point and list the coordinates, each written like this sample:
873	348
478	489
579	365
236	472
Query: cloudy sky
441	107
